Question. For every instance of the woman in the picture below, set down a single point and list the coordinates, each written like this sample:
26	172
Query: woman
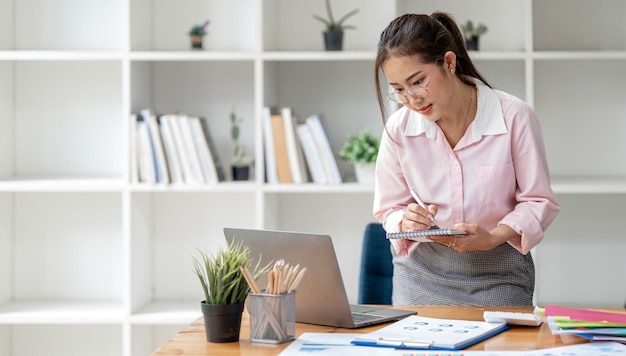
474	155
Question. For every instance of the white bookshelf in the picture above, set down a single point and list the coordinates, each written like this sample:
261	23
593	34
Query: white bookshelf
92	264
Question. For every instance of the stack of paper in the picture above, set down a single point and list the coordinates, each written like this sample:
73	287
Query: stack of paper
593	324
338	344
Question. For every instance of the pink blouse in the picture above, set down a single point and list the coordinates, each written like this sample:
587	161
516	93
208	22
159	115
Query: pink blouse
496	174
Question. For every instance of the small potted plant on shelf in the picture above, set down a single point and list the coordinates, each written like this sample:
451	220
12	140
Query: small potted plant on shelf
197	33
225	289
240	162
333	36
361	150
472	33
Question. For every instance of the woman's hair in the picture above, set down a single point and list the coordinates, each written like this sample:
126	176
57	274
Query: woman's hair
427	38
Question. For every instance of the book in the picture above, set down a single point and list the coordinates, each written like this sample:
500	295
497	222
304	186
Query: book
421	235
271	175
311	154
294	152
217	162
171	151
205	156
186	141
280	149
161	164
422	333
181	147
322	142
145	153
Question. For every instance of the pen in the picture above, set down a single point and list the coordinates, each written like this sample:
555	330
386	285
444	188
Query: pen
421	203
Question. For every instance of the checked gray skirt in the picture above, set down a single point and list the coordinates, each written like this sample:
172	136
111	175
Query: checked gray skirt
435	274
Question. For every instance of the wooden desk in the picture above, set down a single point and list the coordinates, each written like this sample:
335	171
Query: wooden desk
192	340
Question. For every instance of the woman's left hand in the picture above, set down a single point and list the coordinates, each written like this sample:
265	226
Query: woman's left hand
477	238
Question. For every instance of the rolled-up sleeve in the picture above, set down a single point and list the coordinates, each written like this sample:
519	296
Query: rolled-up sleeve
537	205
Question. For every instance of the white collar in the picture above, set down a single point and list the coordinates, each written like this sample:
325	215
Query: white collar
488	121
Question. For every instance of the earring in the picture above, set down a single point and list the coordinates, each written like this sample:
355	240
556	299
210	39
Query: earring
451	70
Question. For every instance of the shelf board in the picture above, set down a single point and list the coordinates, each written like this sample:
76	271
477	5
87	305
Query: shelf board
192	56
202	55
230	186
498	55
67	312
579	55
58	55
319	56
166	313
62	185
564	185
351	187
589	185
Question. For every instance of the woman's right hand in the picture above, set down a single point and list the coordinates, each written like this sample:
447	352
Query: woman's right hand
417	218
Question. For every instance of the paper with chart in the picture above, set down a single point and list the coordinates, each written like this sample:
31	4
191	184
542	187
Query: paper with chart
418	332
339	344
593	348
331	344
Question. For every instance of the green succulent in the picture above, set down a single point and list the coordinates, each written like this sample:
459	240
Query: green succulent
199	30
361	148
331	24
469	30
239	153
221	277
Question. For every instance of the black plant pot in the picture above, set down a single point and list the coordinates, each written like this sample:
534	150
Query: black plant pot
472	43
333	40
222	323
196	42
241	172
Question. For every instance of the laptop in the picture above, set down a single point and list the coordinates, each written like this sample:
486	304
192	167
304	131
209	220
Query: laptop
321	297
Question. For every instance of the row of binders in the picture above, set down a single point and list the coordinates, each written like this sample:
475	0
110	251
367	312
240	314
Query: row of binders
298	151
592	324
174	148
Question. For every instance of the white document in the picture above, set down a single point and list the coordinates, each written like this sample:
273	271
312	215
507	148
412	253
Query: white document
338	344
331	344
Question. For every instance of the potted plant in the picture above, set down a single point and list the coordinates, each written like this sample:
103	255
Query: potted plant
361	150
197	33
225	289
471	34
333	36
240	163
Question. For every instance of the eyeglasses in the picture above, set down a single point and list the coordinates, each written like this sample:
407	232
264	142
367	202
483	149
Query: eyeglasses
415	91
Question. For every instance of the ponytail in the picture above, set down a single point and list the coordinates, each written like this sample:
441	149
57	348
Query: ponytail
464	65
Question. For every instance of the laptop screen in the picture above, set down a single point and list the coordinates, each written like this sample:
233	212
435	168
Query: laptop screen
321	297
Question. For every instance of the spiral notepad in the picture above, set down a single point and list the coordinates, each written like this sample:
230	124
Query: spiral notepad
422	234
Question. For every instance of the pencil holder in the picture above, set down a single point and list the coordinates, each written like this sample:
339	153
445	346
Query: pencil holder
272	317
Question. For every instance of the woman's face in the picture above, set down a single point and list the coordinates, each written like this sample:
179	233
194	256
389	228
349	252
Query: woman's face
420	87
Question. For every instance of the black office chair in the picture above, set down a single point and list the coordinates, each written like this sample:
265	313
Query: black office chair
375	281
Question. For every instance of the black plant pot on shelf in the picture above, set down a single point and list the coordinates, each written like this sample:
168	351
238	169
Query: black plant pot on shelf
222	323
472	43
333	40
241	172
196	42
